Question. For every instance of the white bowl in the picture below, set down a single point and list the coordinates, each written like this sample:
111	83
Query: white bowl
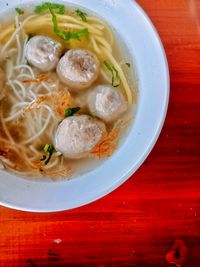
142	40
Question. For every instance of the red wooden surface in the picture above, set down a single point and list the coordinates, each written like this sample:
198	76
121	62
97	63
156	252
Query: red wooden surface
137	224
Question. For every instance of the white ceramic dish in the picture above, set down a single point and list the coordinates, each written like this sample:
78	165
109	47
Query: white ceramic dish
142	40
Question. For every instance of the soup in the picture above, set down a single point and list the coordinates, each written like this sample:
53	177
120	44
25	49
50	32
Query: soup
66	91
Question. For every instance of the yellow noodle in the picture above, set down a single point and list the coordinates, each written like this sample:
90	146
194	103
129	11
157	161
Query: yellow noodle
62	18
95	46
107	28
103	42
33	25
98	26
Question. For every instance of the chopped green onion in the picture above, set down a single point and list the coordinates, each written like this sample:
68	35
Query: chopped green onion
50	150
115	75
47	5
128	64
54	20
82	15
60	10
19	11
67	35
72	35
71	111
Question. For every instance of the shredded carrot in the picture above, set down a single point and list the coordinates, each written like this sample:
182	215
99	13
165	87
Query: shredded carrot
107	146
37	103
40	78
109	143
59	101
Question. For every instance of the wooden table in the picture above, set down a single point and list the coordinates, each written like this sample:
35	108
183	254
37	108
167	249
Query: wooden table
137	224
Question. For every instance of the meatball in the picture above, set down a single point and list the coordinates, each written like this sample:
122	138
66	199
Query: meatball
106	103
43	53
78	69
76	136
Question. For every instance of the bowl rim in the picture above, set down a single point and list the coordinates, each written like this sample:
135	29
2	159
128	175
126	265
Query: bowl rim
143	157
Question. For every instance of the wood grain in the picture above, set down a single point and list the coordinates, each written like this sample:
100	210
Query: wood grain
137	224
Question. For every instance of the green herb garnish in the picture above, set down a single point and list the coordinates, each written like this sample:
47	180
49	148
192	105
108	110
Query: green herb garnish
47	5
64	34
72	35
82	15
115	75
19	11
60	9
50	150
71	111
128	64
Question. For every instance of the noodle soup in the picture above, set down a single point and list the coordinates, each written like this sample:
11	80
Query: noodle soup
67	92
